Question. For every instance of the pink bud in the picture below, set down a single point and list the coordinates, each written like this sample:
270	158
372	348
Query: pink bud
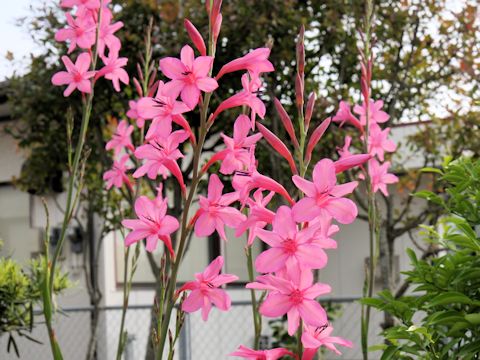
153	89
299	91
301	51
138	87
216	27
286	121
315	138
278	145
351	161
310	106
196	37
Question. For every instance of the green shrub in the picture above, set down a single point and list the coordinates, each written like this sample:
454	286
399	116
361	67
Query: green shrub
19	294
441	318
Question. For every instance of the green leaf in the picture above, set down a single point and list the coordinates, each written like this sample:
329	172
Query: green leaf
389	353
377	347
449	298
431	170
421	330
376	303
473	318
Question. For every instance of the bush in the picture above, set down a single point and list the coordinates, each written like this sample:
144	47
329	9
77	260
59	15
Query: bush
441	319
19	294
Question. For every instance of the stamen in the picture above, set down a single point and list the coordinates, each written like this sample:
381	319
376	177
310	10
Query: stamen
159	103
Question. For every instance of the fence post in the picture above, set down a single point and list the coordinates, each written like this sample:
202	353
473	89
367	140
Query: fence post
184	344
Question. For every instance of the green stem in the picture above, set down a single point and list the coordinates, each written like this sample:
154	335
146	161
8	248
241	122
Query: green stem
373	218
121	339
299	340
170	297
257	324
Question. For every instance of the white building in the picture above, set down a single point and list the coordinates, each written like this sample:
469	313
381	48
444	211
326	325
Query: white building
21	229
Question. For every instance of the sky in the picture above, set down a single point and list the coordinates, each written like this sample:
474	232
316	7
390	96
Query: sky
14	39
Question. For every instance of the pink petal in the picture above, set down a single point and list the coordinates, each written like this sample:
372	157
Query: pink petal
207	84
305	209
269	237
311	256
283	222
212	270
341	209
152	242
187	56
169	225
220	299
205	225
61	78
172	68
293	319
215	187
193	302
324	176
317	289
190	95
83	62
202	66
223	279
306	186
275	305
344	189
312	313
271	260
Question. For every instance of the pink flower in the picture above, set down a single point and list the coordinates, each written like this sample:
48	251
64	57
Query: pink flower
344	115
80	32
289	246
113	70
256	62
247	97
380	177
245	181
236	156
162	108
315	337
117	175
205	290
189	76
344	152
293	295
106	37
258	217
121	138
272	354
375	110
323	197
82	4
77	76
161	155
132	113
214	212
153	223
378	141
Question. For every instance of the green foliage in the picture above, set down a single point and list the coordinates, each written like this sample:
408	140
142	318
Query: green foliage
441	318
19	294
